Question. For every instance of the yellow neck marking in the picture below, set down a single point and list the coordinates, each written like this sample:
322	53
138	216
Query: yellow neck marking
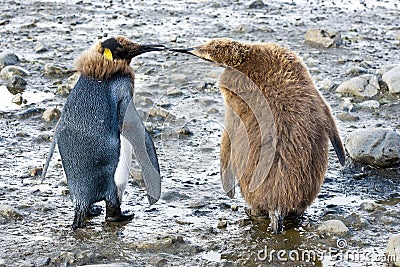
107	54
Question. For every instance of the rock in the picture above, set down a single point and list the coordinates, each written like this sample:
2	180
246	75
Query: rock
184	130
40	48
392	79
243	28
18	99
371	206
397	36
51	114
179	77
386	68
160	112
369	105
346	116
257	4
222	224
26	114
65	88
323	38
7	58
161	244
35	171
366	85
174	92
11	70
355	71
378	147
16	84
53	71
393	250
333	227
328	85
10	213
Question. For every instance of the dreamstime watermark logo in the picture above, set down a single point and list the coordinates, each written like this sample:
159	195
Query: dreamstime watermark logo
340	253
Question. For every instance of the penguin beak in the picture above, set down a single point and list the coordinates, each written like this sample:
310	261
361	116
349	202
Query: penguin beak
194	51
147	48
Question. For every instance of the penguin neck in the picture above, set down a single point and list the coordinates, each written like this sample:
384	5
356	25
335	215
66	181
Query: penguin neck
93	64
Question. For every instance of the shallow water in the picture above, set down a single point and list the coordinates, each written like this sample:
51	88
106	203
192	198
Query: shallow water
181	229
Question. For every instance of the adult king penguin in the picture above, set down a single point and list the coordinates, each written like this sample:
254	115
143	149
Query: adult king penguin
277	127
100	126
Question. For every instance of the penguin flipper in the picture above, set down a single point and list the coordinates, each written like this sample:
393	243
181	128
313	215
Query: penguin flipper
227	175
338	147
143	147
50	154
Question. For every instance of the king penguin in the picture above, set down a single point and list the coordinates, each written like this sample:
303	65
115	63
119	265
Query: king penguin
277	128
98	129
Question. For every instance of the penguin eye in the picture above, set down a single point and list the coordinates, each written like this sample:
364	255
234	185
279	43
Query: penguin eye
107	54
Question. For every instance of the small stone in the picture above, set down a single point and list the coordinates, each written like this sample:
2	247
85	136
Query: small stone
179	77
40	48
378	147
328	85
160	112
35	171
397	36
257	4
393	250
51	114
16	84
320	37
173	39
371	206
11	70
53	71
346	116
18	99
10	213
333	227
243	28
369	105
392	79
185	131
355	71
174	92
222	224
66	88
7	58
198	204
363	86
234	208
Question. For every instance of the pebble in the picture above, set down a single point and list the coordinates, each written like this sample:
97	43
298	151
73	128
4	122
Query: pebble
35	171
320	37
363	86
10	213
328	85
333	227
16	84
174	92
369	105
51	114
393	250
7	58
40	48
26	114
11	70
162	243
397	36
160	112
355	71
378	147
18	99
53	71
65	88
257	4
392	79
222	224
371	206
346	116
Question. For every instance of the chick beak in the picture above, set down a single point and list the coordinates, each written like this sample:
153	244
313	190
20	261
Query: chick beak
183	50
194	51
147	48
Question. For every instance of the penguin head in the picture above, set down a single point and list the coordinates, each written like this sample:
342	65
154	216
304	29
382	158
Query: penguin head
222	50
121	48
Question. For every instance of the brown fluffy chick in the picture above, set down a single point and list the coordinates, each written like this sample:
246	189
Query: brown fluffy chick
277	127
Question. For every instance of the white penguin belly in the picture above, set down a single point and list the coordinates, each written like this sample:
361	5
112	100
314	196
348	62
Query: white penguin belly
123	169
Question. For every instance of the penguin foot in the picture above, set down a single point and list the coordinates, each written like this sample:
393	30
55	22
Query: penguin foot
114	214
95	210
276	221
79	219
255	216
120	218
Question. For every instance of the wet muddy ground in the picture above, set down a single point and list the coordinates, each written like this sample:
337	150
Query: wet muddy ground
194	223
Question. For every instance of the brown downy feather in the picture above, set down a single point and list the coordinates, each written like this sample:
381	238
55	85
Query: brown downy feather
93	64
